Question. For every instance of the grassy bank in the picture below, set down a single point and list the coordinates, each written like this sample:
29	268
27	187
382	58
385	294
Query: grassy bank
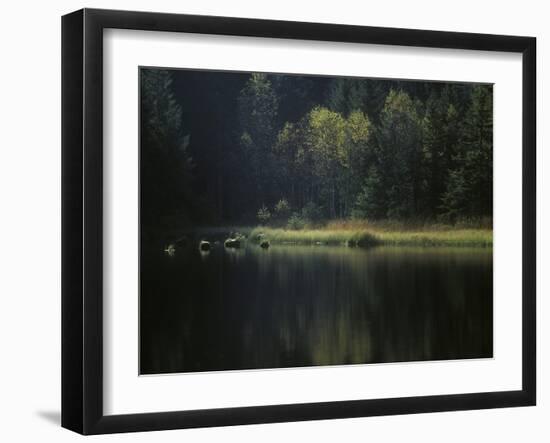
365	234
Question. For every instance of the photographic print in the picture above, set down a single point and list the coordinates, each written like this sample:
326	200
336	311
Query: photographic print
304	220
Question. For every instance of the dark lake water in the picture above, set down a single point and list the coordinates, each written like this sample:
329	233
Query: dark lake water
292	306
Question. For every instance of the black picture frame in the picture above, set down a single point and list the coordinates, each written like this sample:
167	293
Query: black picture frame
82	219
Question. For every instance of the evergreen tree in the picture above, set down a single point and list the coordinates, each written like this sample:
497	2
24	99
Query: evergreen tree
440	134
469	189
455	199
478	144
295	159
347	95
370	201
166	164
258	107
351	94
400	155
297	95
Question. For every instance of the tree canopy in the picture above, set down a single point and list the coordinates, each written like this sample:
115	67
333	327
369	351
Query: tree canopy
220	147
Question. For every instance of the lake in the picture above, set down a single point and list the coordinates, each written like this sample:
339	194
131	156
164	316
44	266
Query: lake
291	306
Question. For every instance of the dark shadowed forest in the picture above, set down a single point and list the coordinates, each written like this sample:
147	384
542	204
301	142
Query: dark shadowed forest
224	148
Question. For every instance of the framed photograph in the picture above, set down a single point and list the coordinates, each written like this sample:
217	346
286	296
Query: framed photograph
269	221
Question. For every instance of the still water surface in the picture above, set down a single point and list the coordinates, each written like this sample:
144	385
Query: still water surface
292	306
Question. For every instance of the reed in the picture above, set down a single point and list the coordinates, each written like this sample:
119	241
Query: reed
372	234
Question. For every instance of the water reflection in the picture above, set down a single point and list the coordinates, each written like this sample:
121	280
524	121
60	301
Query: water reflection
291	306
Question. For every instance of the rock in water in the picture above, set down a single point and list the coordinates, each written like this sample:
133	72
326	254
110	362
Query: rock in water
204	245
232	243
264	244
170	249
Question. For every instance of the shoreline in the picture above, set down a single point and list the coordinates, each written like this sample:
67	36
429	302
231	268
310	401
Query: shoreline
373	237
355	235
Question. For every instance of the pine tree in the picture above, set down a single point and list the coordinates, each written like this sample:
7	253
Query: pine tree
400	154
166	164
346	95
440	140
370	202
478	144
258	107
469	191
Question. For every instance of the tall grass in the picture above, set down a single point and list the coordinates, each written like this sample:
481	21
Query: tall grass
364	233
314	236
419	225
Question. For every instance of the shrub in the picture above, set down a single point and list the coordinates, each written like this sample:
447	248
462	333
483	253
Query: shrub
282	210
296	222
263	215
370	201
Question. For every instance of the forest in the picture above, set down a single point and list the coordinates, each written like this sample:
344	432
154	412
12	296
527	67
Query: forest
298	151
299	220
